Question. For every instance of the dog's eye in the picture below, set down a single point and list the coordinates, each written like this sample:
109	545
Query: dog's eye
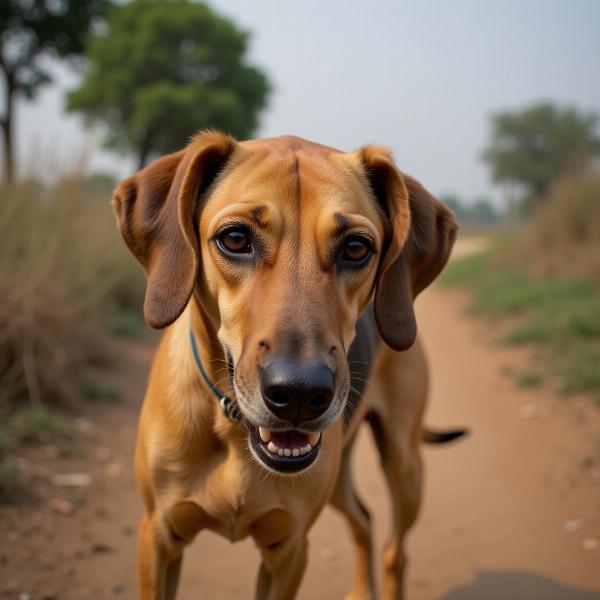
235	240
357	250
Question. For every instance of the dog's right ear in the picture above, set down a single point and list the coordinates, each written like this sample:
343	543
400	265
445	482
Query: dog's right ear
156	211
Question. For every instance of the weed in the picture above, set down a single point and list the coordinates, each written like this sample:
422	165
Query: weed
126	323
8	475
38	425
528	379
69	448
97	392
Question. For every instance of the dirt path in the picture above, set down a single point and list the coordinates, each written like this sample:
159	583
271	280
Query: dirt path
493	526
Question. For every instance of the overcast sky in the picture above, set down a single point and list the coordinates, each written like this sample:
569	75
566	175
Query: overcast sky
420	77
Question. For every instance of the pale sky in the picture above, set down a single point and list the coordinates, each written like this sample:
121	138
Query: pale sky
420	77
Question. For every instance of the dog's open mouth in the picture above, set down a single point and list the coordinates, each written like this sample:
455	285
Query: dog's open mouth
288	451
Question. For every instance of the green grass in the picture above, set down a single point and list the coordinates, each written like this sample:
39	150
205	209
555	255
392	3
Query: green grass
97	392
529	379
30	426
126	323
561	315
8	474
37	425
33	426
578	367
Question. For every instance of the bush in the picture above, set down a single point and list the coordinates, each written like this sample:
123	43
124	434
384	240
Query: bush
64	272
564	236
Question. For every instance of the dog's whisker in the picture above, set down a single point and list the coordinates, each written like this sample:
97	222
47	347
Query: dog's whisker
357	376
224	379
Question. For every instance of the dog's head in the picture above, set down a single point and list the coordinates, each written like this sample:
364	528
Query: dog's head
284	243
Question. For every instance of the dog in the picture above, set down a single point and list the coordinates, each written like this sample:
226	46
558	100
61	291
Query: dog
285	273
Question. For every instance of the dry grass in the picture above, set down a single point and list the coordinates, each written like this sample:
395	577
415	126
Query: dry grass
564	236
63	272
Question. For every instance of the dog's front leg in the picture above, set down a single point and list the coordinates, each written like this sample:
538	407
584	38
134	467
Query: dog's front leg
159	563
282	569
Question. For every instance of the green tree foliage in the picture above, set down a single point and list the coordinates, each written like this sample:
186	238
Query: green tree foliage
163	69
532	147
29	31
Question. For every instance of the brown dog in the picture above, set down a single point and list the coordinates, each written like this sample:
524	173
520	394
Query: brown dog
261	257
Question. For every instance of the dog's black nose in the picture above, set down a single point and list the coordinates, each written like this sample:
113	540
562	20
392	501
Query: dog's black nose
297	391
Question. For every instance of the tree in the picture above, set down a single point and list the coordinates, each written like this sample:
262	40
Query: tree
30	30
533	146
163	69
482	211
479	212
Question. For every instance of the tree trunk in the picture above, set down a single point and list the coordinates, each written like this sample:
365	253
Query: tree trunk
144	151
142	158
7	123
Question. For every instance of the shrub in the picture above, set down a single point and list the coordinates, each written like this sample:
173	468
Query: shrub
64	273
564	235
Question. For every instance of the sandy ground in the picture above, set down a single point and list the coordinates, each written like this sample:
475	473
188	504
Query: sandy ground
510	513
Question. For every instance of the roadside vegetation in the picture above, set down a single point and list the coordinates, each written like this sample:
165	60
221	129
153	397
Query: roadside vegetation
66	284
545	281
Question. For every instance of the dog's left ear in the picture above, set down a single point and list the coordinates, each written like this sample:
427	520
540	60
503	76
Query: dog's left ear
156	211
420	236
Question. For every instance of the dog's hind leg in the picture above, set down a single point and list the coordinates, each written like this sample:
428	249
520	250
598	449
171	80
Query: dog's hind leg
345	499
398	403
403	471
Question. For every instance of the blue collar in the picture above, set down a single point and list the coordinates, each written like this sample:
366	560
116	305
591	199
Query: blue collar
227	404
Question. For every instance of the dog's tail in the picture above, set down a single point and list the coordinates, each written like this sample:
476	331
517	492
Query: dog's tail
429	436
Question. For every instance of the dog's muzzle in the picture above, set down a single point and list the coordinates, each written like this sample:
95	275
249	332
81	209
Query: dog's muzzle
297	392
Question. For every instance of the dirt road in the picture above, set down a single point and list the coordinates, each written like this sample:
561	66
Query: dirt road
511	513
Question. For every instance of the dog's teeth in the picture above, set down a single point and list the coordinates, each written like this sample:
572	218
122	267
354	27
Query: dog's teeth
265	434
305	449
313	438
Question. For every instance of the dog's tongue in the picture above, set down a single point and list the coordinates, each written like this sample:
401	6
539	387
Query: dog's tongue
289	439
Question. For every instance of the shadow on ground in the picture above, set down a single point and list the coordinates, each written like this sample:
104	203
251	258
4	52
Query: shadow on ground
502	585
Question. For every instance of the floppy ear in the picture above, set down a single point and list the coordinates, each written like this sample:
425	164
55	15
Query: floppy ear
420	238
156	210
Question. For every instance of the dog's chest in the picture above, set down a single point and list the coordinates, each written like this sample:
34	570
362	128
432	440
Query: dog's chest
237	504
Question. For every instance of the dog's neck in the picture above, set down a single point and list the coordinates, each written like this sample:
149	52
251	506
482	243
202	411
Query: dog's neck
213	361
209	348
